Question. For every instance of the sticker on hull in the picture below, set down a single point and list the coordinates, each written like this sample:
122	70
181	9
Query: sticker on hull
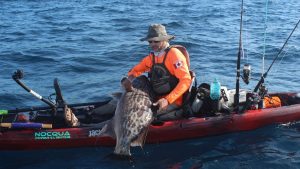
49	135
94	133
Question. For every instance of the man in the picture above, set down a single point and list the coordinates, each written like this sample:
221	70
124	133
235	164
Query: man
168	71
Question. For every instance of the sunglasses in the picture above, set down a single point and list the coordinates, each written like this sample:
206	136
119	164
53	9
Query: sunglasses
153	41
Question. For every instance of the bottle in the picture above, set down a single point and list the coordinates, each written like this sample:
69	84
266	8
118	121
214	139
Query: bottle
215	90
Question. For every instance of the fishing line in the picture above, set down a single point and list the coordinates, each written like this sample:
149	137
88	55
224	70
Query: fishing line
280	62
281	49
246	39
264	75
265	35
261	81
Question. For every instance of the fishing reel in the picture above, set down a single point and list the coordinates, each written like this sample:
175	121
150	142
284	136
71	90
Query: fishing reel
263	90
246	73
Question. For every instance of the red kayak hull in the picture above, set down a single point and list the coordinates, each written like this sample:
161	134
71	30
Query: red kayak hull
169	131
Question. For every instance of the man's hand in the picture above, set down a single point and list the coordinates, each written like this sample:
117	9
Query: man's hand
131	77
162	103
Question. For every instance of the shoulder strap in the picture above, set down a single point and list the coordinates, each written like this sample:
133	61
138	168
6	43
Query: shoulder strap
181	48
153	58
167	51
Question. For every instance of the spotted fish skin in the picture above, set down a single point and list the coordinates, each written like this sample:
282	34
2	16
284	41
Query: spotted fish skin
132	117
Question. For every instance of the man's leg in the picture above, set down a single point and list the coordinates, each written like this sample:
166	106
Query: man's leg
173	112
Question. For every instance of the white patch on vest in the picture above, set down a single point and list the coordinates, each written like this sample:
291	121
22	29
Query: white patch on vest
178	64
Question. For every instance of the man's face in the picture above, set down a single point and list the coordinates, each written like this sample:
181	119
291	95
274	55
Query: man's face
157	45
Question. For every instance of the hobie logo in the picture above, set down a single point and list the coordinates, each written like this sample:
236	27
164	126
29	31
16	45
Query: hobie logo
51	135
94	133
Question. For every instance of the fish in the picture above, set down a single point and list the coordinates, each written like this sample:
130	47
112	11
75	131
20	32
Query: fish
132	117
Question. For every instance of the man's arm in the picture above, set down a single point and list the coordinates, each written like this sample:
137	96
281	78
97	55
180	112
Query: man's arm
140	68
180	69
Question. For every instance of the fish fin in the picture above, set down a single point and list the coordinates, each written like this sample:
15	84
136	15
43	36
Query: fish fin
140	140
122	149
99	125
116	95
107	130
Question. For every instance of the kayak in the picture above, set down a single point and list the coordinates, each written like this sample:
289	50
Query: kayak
46	127
18	134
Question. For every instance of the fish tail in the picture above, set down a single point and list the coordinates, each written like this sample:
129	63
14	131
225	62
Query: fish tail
122	148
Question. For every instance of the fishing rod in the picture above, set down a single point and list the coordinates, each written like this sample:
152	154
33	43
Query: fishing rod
262	79
238	63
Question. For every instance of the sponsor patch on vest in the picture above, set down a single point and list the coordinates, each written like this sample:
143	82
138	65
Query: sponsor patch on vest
178	64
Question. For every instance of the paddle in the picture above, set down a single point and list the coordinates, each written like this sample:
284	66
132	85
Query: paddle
57	109
19	110
19	75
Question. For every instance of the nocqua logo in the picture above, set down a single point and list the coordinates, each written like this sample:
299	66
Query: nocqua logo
45	135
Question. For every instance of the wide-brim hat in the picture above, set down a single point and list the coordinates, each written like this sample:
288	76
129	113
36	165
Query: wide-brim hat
157	32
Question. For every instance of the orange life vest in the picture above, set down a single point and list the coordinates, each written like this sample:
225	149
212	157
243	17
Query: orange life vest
162	81
177	66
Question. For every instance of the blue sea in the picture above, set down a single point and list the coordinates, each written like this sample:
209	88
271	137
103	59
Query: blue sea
90	45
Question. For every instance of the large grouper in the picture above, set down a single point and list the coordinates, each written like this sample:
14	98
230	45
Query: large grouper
132	117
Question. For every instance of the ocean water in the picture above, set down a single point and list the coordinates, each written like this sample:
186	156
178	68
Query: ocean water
90	45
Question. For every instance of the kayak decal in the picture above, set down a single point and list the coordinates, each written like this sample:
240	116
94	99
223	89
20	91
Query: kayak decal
3	112
43	135
94	133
